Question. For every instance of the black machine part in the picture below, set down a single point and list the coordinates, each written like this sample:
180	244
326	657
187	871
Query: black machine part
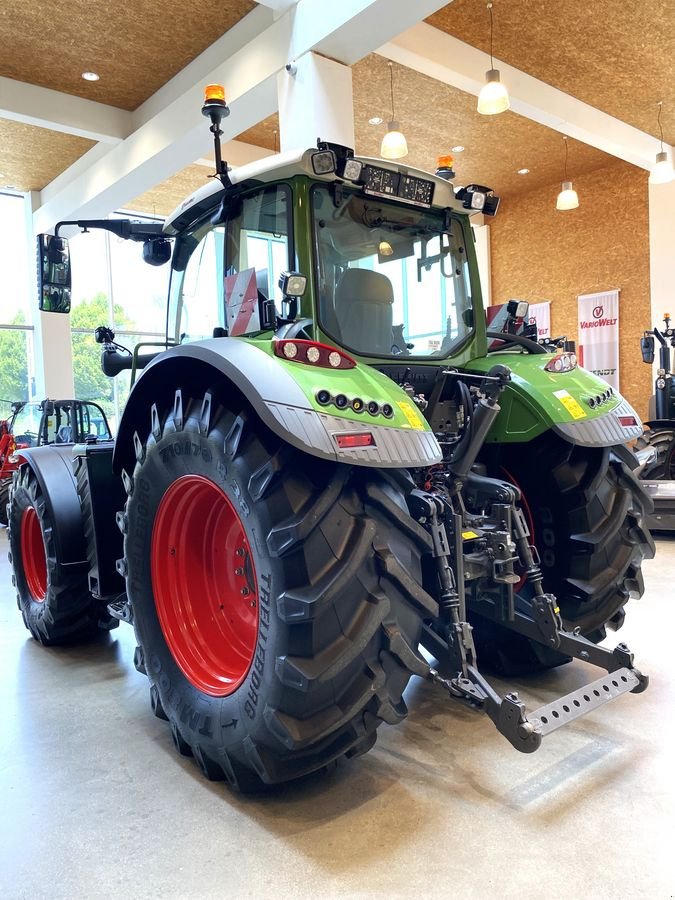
507	558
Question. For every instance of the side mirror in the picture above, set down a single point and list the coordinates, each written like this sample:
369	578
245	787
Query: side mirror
53	259
647	347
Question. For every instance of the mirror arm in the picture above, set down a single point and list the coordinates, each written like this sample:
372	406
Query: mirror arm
123	228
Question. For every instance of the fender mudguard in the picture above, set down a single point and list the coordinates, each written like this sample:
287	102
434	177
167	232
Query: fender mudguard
537	400
53	468
276	397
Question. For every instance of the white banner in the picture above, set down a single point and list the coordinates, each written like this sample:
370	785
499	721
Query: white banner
599	335
541	314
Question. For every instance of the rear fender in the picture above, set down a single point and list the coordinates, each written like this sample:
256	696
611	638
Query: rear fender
536	401
283	402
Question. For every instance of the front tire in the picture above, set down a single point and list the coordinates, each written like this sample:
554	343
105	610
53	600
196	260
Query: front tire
275	596
54	599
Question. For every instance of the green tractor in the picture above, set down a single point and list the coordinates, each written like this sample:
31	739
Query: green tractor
325	469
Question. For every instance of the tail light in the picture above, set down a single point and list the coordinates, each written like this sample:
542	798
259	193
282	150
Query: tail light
314	354
351	441
563	362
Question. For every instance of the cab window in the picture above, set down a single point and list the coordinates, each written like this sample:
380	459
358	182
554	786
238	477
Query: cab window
255	237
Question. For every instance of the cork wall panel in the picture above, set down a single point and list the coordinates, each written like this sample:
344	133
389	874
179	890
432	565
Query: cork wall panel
135	47
31	157
540	253
617	56
436	117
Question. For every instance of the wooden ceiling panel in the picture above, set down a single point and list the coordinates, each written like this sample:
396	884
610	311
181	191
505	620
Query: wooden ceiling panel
616	56
134	47
436	117
31	157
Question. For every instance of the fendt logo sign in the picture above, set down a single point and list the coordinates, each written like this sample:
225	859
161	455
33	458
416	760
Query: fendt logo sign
599	320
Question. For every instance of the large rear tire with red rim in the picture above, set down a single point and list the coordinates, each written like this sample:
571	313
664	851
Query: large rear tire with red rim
54	599
275	596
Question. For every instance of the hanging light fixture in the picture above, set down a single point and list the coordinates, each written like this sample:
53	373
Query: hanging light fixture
493	97
662	171
394	144
568	197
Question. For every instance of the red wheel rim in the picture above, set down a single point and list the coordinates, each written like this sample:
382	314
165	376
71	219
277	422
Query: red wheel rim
204	583
33	556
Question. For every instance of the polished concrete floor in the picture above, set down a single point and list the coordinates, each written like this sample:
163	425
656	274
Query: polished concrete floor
95	803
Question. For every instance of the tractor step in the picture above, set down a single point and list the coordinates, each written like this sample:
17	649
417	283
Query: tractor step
525	731
554	715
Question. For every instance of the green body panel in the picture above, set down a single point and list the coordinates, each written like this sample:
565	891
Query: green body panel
529	403
362	381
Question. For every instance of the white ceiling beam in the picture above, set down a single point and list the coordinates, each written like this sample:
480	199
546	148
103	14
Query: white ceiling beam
170	131
279	6
46	108
237	153
353	28
447	59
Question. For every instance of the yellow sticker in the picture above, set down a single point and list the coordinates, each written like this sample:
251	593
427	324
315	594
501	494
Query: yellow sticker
573	407
469	535
411	414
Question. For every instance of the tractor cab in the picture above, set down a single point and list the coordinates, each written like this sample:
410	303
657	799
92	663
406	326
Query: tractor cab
385	260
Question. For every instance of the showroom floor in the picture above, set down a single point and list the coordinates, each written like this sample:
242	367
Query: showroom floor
95	803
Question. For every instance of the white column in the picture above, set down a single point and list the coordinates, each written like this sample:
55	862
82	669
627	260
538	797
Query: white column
53	363
315	101
661	255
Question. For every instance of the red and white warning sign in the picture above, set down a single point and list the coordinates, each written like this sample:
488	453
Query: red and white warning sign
241	303
598	349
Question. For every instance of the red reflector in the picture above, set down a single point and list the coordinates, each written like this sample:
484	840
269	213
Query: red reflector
348	441
627	421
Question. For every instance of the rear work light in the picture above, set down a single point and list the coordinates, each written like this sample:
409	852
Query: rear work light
350	441
314	354
563	362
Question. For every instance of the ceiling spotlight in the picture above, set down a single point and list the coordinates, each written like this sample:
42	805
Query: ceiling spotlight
493	97
457	149
376	120
662	171
394	144
567	198
523	172
90	76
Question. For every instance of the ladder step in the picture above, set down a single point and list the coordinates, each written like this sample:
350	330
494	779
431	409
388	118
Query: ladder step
558	713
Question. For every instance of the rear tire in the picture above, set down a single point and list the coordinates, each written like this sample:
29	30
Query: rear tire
331	562
54	600
588	511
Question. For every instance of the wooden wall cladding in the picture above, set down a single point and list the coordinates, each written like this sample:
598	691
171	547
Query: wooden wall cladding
540	253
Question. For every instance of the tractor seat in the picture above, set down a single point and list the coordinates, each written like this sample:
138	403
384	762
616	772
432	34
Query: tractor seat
363	307
64	435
